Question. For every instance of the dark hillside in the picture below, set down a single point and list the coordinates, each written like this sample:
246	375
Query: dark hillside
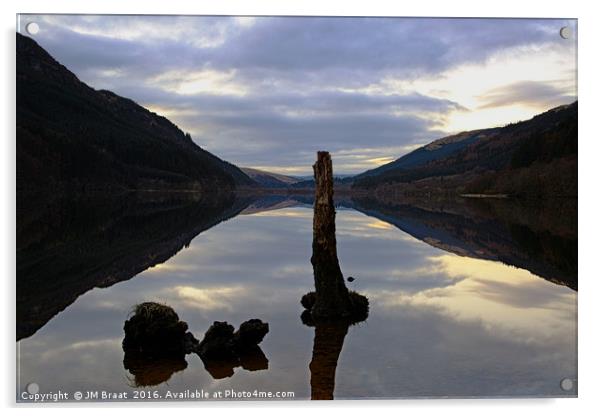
72	136
537	157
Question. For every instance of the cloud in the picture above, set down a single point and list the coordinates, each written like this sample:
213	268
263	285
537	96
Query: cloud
287	128
298	44
270	91
208	299
531	294
530	93
402	44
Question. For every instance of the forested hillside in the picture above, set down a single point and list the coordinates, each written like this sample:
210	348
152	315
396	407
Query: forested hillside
72	136
537	157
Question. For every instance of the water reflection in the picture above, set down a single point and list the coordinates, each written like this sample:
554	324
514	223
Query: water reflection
451	324
329	337
328	343
67	246
151	371
252	359
540	237
156	343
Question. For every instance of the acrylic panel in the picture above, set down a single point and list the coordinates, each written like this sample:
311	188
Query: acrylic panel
295	208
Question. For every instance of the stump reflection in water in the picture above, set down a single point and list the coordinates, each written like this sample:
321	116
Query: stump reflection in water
328	343
332	308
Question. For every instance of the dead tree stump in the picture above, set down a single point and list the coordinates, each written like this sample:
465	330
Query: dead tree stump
332	297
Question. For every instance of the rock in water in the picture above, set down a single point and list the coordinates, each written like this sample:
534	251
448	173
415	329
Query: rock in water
218	342
221	342
250	333
156	343
156	330
222	349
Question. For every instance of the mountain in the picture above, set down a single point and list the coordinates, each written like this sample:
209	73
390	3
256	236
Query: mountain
269	179
74	137
435	150
532	158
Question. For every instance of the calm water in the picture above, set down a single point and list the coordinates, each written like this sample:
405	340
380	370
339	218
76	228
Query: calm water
440	324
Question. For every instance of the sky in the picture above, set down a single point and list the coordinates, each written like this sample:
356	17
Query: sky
268	92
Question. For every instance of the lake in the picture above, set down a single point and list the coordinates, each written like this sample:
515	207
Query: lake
466	299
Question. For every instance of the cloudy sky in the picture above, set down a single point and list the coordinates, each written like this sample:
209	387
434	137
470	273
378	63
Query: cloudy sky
269	92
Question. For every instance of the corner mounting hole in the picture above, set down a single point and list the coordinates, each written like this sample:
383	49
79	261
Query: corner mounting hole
566	384
32	28
565	32
32	388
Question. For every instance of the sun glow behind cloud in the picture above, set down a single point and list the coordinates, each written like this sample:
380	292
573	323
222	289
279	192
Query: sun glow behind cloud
200	82
208	299
473	85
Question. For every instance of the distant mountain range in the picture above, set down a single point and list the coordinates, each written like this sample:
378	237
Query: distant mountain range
72	136
532	158
269	179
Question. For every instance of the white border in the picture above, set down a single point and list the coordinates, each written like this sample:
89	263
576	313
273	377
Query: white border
590	153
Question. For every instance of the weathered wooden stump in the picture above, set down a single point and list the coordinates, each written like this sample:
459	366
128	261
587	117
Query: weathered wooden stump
332	296
331	309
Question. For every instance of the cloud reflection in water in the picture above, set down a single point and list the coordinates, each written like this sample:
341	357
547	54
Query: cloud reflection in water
439	324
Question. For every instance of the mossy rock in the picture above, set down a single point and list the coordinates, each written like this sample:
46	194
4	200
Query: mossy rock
308	300
155	329
360	307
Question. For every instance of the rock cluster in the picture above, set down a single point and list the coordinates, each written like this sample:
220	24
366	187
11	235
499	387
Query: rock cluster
156	342
221	341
